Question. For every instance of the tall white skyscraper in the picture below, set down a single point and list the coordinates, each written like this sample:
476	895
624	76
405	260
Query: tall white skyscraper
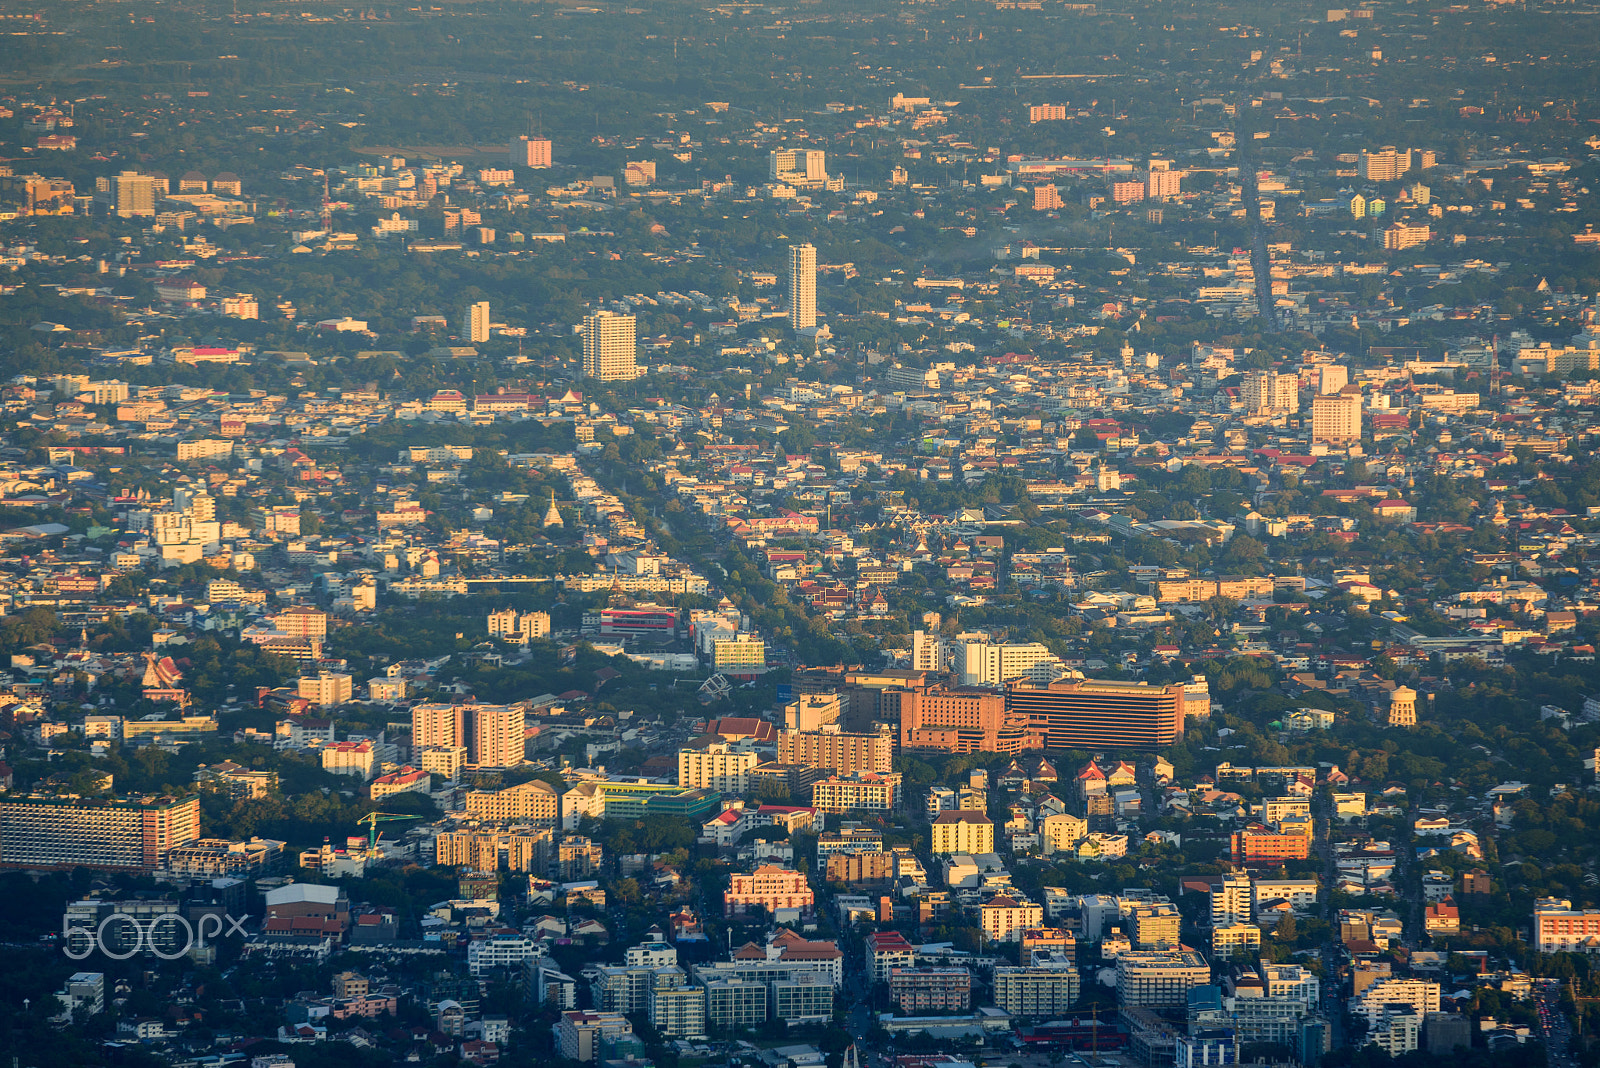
802	286
476	326
1232	901
610	347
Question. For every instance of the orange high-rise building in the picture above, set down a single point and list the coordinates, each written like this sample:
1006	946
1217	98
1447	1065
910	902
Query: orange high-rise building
491	734
437	725
961	720
1095	714
531	152
494	736
1257	845
1127	192
845	753
771	887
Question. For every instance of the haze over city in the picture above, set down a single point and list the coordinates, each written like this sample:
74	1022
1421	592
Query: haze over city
948	534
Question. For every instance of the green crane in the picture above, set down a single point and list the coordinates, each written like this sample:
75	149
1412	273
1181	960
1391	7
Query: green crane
371	821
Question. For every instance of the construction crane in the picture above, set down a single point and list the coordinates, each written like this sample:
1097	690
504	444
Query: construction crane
371	821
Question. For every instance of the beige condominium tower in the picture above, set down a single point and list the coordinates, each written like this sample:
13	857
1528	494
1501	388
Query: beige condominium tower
802	286
610	347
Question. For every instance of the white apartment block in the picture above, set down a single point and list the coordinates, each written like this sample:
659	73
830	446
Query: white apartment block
623	989
503	950
678	1011
1159	977
716	767
927	651
349	758
983	663
1046	993
1420	994
1396	1030
1336	419
1301	894
810	164
1292	981
1004	918
735	1003
1275	810
651	955
1265	392
327	689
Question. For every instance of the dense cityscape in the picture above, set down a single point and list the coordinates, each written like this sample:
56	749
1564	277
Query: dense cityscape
928	534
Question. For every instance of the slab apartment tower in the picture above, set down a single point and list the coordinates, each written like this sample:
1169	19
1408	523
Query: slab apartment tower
610	347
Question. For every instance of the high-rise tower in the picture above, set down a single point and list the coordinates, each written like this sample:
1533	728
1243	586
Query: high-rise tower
476	325
802	286
610	347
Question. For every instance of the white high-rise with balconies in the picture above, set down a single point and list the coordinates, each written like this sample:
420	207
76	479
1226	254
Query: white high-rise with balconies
927	651
1231	900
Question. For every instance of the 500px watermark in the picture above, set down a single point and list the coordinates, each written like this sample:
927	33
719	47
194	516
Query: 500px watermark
169	936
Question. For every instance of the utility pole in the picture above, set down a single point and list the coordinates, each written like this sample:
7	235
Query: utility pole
1579	1003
